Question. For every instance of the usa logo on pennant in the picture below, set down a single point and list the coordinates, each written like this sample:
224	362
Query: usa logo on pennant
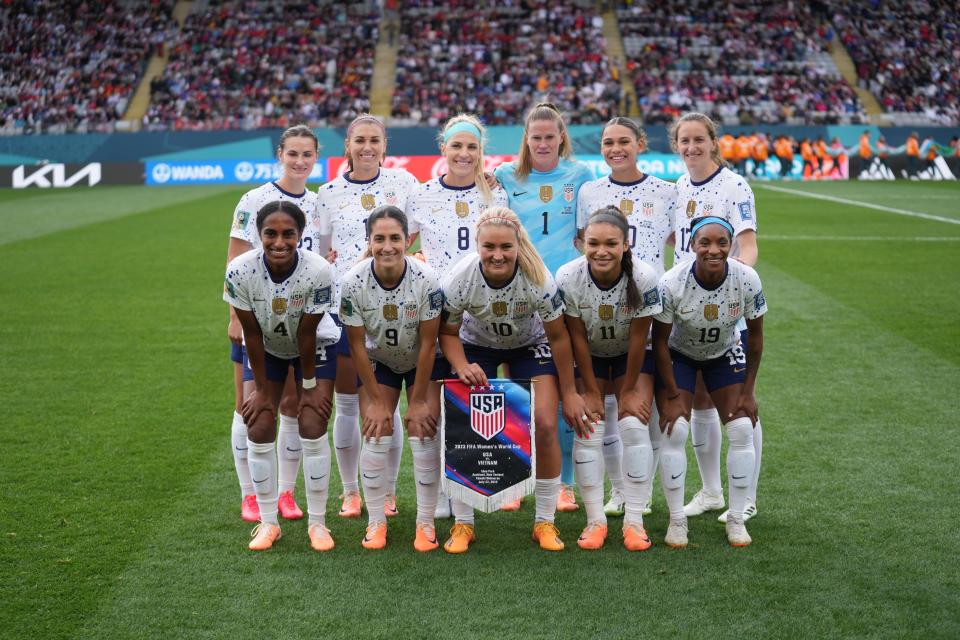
487	414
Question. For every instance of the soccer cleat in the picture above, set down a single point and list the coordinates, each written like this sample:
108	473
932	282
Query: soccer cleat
461	535
249	509
320	538
647	508
615	505
288	507
593	536
264	535
749	511
390	506
737	533
351	506
426	538
635	538
702	502
512	506
376	536
567	500
443	509
547	534
676	537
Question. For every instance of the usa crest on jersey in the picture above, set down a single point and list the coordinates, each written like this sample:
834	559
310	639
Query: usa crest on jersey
487	414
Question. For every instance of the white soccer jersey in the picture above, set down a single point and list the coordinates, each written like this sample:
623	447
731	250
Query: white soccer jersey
508	317
724	195
391	317
245	215
278	306
705	320
648	205
345	205
605	312
446	219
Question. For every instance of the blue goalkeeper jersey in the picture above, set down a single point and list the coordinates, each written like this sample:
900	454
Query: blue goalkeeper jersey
547	206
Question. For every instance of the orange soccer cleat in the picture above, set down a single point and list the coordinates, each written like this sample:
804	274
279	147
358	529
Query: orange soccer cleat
567	500
351	506
426	538
461	535
512	506
264	535
249	509
593	536
320	538
547	534
376	537
288	506
635	538
390	506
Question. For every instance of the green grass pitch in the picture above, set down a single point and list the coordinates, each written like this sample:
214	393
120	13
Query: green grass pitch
120	508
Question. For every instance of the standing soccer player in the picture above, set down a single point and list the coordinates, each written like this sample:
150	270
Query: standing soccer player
280	294
648	203
609	300
502	306
542	187
390	304
345	204
696	335
297	154
710	189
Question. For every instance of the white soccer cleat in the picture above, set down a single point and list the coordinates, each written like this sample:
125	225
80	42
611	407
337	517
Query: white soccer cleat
702	502
647	508
615	505
676	537
748	512
737	533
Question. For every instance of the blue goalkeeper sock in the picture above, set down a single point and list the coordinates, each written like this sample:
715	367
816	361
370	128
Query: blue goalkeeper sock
565	435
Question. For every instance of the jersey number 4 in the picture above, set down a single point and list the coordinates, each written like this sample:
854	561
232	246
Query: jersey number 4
281	329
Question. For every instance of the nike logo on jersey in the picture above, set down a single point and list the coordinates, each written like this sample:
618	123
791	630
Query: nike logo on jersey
740	370
674	477
518	193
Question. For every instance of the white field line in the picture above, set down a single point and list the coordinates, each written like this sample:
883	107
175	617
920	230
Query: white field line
765	236
858	203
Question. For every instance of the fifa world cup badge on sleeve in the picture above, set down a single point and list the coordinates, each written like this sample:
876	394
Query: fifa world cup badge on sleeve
488	445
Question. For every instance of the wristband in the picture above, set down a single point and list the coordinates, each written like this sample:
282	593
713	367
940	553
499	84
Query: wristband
309	383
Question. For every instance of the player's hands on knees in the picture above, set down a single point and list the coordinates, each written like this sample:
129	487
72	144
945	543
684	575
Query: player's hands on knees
578	416
256	404
473	375
420	420
314	400
594	403
672	411
747	406
235	331
631	403
377	422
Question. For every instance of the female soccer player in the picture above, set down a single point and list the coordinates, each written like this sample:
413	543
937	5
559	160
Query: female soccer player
542	186
444	211
297	154
501	305
709	188
609	300
390	304
345	203
279	294
696	333
648	204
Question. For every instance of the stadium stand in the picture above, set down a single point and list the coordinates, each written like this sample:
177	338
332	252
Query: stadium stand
908	55
743	62
72	66
249	64
498	60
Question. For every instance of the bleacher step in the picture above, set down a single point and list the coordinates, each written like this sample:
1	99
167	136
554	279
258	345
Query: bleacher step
841	58
616	52
385	67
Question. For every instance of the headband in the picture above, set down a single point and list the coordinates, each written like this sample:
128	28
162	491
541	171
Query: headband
462	127
366	120
710	220
608	218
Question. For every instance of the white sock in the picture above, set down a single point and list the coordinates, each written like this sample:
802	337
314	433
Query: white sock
263	471
705	430
462	512
741	459
612	447
373	472
396	452
636	465
346	439
757	449
426	472
655	441
546	493
316	477
588	468
673	467
238	444
289	453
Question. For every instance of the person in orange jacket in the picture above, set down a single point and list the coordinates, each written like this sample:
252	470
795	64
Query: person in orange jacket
759	151
913	154
811	166
741	151
783	148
